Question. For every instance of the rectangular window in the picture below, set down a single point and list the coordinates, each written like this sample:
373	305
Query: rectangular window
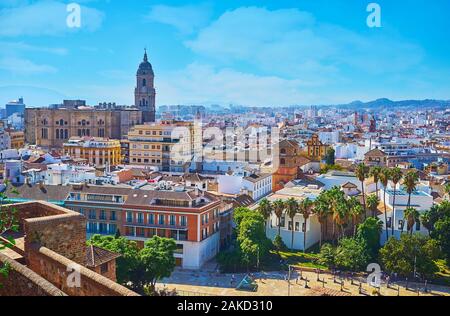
161	220
172	220
129	217
92	214
112	229
103	215
283	221
113	216
183	221
151	219
103	228
140	218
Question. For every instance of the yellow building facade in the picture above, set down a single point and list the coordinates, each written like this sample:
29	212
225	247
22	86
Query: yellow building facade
96	151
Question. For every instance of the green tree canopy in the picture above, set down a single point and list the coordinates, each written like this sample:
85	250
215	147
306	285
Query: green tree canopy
351	255
401	256
157	260
369	233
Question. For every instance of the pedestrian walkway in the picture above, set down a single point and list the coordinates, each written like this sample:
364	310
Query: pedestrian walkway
276	284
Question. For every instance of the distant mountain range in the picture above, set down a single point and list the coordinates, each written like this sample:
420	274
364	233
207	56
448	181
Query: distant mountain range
387	103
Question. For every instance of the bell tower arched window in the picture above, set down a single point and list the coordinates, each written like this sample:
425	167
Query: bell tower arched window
144	82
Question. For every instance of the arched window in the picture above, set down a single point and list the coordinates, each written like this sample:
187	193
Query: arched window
144	82
61	122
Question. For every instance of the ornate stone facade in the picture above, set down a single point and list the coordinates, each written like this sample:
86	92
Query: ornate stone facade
144	94
51	128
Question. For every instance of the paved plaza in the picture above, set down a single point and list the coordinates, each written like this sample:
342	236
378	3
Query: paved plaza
192	283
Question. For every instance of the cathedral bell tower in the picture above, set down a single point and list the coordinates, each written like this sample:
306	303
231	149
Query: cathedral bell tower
144	94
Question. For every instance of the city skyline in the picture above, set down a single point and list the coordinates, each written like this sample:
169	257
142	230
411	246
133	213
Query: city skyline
242	52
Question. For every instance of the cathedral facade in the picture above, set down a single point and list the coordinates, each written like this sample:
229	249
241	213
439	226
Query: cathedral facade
52	127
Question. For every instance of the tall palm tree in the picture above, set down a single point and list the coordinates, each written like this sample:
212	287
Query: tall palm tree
375	172
372	204
305	209
334	200
340	216
412	216
396	176
361	174
292	208
322	210
426	220
385	175
356	210
265	209
410	182
279	206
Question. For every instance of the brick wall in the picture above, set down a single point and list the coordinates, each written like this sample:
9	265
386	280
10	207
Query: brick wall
110	274
53	267
56	228
22	281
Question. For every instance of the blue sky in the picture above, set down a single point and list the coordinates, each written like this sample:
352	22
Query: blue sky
258	53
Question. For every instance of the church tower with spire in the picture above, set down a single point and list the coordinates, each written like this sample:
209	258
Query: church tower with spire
144	94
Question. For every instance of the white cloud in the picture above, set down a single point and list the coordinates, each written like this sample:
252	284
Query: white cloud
44	18
16	47
200	83
186	19
292	43
24	66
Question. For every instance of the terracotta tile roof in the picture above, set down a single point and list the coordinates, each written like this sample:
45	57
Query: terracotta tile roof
375	153
96	256
38	192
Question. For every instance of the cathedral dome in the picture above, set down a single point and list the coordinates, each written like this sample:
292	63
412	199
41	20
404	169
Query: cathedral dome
145	68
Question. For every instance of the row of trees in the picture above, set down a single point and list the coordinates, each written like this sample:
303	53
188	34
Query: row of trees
412	255
385	176
344	212
347	212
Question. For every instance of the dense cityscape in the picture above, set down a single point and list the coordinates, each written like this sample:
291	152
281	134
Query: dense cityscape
153	199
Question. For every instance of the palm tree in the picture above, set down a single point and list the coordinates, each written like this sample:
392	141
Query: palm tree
279	207
265	209
305	209
340	215
333	200
426	221
412	216
372	203
292	210
361	174
356	210
375	172
410	181
322	210
396	176
385	175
